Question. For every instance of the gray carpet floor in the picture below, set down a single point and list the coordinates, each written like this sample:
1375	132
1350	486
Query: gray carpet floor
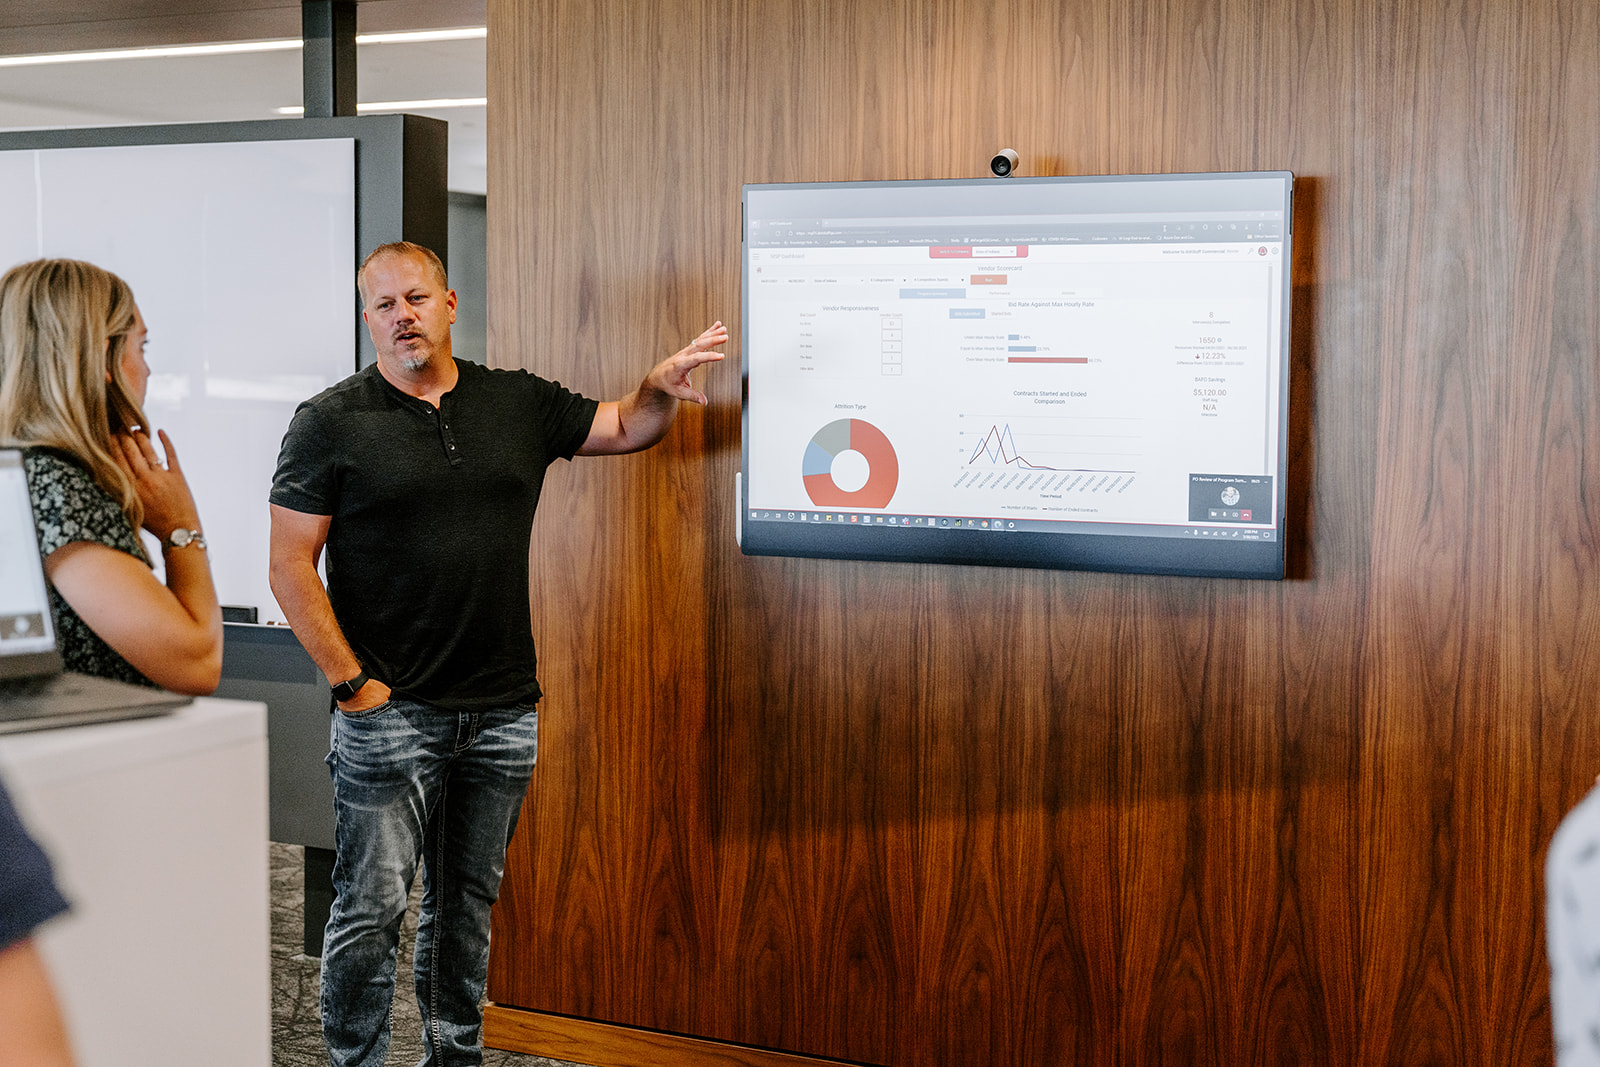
296	1031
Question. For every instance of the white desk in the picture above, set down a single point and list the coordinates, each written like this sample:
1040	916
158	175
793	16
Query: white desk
158	832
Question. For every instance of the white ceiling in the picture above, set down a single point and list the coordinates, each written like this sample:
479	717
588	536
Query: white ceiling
233	87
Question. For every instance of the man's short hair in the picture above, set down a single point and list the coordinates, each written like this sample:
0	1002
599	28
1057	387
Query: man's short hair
402	249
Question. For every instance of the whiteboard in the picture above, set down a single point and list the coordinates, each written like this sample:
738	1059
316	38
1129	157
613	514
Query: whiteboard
241	256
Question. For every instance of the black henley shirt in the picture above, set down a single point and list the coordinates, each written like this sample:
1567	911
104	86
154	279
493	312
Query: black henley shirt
432	510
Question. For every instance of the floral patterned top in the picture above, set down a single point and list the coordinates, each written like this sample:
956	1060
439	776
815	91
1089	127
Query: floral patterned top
68	506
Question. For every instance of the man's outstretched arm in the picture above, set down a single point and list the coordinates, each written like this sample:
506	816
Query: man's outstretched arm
643	417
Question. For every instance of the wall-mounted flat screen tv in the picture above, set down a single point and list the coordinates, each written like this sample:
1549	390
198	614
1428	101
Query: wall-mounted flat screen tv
1087	373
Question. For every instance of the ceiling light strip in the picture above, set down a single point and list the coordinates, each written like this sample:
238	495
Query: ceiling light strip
235	47
149	53
470	33
405	105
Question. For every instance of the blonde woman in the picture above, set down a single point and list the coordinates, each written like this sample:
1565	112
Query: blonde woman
72	387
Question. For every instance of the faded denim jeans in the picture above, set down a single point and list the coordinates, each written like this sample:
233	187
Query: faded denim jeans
412	781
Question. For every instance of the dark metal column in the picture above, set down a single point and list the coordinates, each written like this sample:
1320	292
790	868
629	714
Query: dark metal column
328	64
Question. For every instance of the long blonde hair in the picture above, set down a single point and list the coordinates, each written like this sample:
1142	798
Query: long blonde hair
63	328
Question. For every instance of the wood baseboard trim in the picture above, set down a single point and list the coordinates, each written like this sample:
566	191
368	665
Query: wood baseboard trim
609	1045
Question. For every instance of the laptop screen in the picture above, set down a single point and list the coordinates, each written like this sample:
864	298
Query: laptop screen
27	638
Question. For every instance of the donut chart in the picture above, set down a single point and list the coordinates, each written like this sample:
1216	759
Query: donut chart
850	435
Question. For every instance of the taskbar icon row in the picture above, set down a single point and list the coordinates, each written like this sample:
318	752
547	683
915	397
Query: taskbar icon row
1234	534
926	522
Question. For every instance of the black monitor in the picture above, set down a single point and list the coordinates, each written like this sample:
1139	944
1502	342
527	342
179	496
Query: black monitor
1081	372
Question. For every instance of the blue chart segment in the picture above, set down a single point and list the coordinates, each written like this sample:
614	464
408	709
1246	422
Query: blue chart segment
850	435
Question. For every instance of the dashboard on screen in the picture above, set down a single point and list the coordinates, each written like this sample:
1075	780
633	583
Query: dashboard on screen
1085	373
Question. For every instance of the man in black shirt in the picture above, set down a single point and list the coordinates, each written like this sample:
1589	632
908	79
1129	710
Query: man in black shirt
420	476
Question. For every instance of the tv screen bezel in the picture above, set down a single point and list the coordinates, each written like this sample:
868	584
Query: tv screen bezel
1197	556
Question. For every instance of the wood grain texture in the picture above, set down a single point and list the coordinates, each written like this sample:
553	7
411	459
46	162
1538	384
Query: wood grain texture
619	1046
916	815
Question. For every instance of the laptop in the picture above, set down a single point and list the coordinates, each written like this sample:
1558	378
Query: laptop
36	692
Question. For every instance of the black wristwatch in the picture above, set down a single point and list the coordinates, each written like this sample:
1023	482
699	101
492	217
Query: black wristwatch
345	690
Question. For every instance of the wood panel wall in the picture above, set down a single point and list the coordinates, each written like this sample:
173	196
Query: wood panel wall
921	815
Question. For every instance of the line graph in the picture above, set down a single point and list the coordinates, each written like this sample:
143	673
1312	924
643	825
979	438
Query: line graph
998	447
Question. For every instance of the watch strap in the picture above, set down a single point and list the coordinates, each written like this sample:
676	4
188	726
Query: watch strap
347	689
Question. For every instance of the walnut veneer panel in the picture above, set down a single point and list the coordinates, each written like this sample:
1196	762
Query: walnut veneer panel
921	815
617	1046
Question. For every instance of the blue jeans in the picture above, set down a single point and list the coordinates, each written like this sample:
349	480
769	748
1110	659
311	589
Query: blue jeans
412	780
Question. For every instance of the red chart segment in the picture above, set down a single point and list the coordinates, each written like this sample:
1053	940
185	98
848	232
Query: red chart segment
850	435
